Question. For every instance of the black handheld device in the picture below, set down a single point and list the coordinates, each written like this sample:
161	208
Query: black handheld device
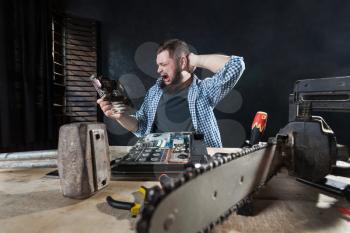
111	90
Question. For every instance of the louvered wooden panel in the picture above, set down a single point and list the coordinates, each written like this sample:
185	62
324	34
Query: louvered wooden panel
79	88
75	61
77	78
81	99
81	68
80	63
80	73
80	119
80	114
81	43
82	109
80	93
58	74
75	104
78	83
79	58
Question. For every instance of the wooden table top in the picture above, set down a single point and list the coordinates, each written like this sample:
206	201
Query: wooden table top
31	202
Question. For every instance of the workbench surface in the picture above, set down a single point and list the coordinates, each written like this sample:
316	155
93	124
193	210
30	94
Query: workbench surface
31	202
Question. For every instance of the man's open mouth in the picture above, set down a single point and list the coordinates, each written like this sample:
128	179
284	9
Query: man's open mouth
165	78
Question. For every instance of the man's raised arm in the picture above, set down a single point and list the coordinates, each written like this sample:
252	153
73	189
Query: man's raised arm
227	71
212	62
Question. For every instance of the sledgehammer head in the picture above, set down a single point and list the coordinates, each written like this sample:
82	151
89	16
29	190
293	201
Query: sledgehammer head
83	159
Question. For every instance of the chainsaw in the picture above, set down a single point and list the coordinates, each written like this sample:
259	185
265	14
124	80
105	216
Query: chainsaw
214	190
206	195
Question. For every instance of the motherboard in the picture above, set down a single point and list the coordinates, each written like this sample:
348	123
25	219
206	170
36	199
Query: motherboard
159	153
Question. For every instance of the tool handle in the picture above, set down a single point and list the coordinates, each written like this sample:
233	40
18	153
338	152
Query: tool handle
119	204
258	128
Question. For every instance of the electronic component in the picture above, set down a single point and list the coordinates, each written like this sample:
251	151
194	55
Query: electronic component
111	90
160	153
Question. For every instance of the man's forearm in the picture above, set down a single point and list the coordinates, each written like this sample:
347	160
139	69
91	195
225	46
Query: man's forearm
128	122
212	62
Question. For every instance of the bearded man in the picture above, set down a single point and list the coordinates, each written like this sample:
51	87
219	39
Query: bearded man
180	101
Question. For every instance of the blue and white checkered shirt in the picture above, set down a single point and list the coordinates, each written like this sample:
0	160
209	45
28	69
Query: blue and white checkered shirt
203	96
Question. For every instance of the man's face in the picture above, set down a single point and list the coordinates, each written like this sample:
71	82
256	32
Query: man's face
168	68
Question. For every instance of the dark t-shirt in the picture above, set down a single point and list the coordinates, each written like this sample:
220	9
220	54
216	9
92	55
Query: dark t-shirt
173	114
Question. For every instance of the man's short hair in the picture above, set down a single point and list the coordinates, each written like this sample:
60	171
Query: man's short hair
175	47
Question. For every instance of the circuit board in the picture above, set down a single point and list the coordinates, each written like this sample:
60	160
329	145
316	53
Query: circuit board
162	152
161	148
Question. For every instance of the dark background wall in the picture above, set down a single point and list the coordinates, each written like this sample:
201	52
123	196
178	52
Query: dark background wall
281	42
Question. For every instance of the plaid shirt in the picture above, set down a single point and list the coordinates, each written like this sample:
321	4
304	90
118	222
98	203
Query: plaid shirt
203	96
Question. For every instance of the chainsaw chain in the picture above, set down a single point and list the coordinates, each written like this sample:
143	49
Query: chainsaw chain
157	195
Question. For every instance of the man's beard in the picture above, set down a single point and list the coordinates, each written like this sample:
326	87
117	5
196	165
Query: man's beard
175	82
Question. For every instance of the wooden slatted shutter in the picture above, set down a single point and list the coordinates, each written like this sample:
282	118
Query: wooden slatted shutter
75	59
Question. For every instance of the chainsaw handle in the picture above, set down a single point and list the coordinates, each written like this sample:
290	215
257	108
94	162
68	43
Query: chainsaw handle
119	204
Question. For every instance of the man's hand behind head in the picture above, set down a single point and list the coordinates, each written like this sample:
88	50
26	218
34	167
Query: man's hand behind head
192	62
